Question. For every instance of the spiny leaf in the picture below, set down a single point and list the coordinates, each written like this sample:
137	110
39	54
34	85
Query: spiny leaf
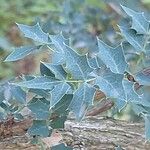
58	122
62	105
2	97
136	40
41	92
58	92
18	94
143	77
34	32
82	99
7	92
95	62
139	22
120	104
59	54
45	83
144	92
112	57
45	71
77	65
39	128
60	111
131	95
40	107
138	109
110	83
57	70
21	52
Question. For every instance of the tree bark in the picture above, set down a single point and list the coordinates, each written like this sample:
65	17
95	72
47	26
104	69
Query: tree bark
93	133
101	133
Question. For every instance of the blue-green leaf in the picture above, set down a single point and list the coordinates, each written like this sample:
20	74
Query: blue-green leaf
57	70
143	77
139	22
2	97
45	71
82	99
112	57
110	83
43	82
92	62
118	148
39	128
58	122
131	95
58	92
120	104
138	109
59	54
95	62
41	92
21	52
144	92
62	105
34	32
18	94
60	111
77	65
136	40
40	108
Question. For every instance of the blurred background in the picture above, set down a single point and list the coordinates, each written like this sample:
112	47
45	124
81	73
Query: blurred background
81	20
78	19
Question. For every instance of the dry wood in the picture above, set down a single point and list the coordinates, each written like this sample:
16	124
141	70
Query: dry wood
93	133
